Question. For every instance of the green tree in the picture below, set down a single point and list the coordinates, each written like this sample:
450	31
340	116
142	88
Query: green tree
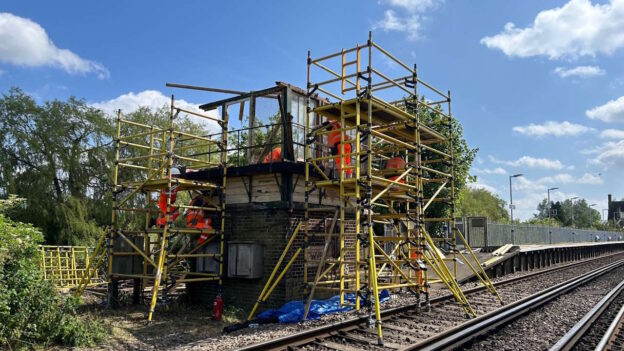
463	156
157	118
480	202
543	221
57	156
569	214
31	311
265	136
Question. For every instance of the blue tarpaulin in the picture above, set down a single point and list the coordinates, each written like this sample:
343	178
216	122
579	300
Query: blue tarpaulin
292	312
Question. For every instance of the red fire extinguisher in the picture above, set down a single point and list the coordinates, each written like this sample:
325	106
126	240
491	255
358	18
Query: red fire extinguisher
217	308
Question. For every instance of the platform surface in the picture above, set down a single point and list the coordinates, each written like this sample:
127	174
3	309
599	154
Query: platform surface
488	259
533	247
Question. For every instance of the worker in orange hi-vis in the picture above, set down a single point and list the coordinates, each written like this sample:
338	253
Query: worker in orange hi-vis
397	162
162	205
197	218
274	156
334	143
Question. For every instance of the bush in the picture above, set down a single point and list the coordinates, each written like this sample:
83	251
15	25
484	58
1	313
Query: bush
233	314
31	310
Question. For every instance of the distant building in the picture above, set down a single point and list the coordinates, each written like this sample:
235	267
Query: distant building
616	212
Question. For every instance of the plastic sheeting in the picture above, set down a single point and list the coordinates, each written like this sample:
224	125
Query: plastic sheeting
292	312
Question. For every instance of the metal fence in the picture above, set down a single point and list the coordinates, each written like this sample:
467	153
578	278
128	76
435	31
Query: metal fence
65	265
501	234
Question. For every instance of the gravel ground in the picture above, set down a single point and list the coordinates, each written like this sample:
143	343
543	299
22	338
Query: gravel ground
187	328
545	326
599	328
267	332
453	314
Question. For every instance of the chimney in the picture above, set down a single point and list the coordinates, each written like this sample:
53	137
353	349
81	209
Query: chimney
609	201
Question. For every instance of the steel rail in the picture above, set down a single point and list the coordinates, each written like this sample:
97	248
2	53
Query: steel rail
611	332
480	326
576	333
310	335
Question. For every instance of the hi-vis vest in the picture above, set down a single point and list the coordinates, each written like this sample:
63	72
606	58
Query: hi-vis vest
274	156
162	205
334	143
396	162
196	218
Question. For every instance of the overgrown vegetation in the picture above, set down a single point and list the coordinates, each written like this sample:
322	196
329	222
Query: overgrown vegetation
270	136
56	155
480	202
59	156
32	313
463	156
233	314
568	213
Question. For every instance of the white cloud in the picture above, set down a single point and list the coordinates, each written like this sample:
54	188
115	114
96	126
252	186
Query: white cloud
566	178
608	154
409	25
562	178
529	193
154	99
578	28
616	83
589	178
579	71
25	43
497	170
526	202
531	162
552	128
612	111
612	134
406	16
482	185
415	5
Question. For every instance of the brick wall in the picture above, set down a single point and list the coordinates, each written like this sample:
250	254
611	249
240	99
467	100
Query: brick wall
269	224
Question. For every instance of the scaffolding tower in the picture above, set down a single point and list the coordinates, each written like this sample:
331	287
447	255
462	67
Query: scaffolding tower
144	243
393	163
64	266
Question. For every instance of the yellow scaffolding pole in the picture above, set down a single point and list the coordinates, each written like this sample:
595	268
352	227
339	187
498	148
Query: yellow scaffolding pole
367	191
270	285
65	266
148	170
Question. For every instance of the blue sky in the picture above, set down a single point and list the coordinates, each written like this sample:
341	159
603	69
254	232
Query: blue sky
538	85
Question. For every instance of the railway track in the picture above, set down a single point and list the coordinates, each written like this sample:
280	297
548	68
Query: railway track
407	326
601	328
613	338
498	329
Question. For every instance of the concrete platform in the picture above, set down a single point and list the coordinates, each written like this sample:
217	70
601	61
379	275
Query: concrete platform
529	257
533	247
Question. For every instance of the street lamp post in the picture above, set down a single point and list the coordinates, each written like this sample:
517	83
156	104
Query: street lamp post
549	217
572	199
590	206
511	207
